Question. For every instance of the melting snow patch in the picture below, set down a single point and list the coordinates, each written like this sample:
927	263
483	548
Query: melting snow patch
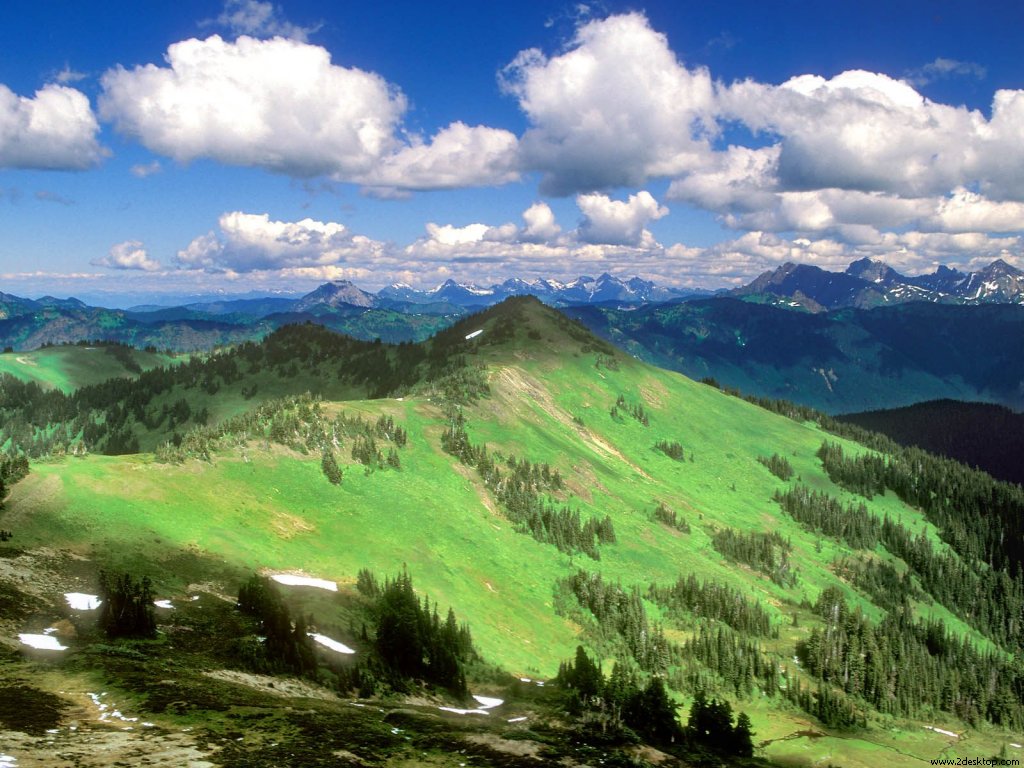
474	334
487	702
942	731
525	680
1015	746
304	581
43	642
327	642
82	602
162	603
106	713
458	711
516	719
8	761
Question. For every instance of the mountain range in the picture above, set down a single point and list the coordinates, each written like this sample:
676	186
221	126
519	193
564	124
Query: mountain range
867	283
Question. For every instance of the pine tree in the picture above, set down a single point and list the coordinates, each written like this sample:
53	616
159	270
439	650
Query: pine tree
743	737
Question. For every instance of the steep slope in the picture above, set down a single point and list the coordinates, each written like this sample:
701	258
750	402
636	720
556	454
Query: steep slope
626	440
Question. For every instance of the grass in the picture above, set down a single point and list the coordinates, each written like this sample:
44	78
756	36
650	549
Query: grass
69	367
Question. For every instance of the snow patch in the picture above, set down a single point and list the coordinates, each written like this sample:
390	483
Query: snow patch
163	604
458	711
106	713
327	642
292	580
79	601
942	731
516	719
42	642
474	334
487	702
8	761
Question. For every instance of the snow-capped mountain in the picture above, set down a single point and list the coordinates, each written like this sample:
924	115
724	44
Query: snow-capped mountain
868	283
582	290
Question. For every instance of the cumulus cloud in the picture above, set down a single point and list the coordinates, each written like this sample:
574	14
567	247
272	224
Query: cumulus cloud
282	105
54	130
246	242
540	224
457	156
614	109
128	255
615	222
277	104
858	131
258	19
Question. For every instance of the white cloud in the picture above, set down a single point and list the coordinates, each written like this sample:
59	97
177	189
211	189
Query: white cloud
858	131
614	109
966	211
246	242
54	130
457	156
128	255
258	19
282	105
614	222
277	104
68	75
737	178
540	224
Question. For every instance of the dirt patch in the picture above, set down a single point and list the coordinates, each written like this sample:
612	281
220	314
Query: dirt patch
209	588
505	746
33	493
276	686
654	393
88	747
523	387
288	526
652	755
600	446
478	486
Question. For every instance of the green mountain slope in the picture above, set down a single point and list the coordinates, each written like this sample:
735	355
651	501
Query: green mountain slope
70	367
556	397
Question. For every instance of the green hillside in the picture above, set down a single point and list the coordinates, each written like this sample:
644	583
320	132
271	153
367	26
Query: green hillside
68	367
672	466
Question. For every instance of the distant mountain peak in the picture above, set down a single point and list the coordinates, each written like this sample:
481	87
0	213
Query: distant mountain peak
870	282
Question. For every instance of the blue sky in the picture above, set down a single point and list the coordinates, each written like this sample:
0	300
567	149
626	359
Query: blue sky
248	145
